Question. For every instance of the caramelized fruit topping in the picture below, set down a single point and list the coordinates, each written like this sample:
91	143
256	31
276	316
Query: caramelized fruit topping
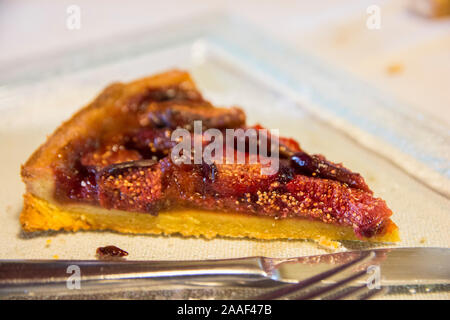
133	171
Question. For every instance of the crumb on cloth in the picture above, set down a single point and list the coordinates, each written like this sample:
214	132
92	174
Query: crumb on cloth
395	68
329	244
110	252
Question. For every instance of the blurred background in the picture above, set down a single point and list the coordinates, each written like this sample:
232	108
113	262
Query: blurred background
399	46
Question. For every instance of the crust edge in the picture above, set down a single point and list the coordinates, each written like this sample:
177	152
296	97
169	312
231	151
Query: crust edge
37	171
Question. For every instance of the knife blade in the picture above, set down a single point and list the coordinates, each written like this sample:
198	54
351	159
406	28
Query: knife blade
397	266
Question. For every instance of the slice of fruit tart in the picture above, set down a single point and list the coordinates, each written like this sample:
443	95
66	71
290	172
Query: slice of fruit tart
133	161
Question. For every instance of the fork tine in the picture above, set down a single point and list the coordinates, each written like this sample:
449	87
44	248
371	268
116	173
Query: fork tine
327	290
348	293
373	293
279	293
361	292
355	293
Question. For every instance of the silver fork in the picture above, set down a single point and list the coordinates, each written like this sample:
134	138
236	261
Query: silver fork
336	276
342	289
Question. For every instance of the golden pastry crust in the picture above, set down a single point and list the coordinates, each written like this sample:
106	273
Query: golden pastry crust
39	214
